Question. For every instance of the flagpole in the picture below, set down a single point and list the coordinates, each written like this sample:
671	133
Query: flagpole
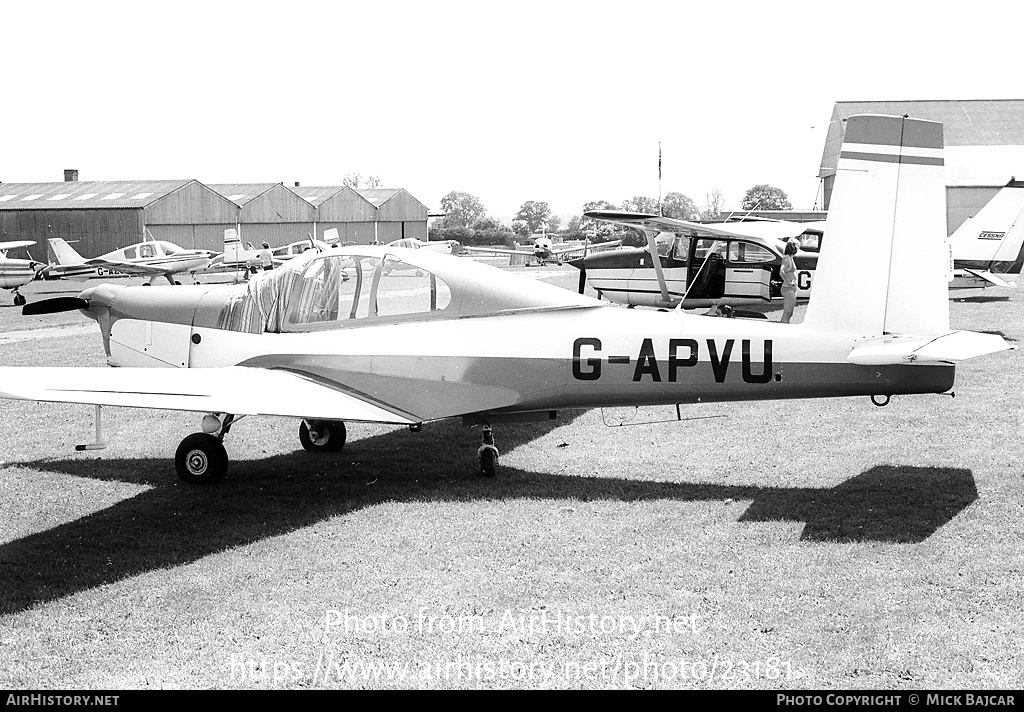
659	180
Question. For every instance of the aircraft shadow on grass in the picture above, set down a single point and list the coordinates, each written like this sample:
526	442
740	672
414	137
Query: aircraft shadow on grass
174	524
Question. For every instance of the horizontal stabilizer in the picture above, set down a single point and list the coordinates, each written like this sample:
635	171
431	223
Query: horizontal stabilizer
952	346
991	278
239	390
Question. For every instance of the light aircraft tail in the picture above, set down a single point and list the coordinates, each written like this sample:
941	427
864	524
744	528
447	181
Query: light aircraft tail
232	246
63	253
882	276
992	242
884	269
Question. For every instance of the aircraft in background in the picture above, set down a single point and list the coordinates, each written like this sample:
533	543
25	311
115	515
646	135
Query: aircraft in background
248	259
463	339
151	258
445	247
544	251
15	273
988	248
699	264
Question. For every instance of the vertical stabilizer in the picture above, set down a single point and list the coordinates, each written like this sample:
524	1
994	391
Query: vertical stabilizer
883	265
63	253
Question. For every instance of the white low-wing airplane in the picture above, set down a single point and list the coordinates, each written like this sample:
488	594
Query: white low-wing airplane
152	258
467	340
699	264
15	273
236	257
444	247
544	251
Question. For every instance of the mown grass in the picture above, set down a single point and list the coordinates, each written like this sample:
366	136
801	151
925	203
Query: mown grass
833	543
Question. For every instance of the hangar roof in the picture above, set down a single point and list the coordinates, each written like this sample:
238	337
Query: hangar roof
378	196
241	193
973	122
85	194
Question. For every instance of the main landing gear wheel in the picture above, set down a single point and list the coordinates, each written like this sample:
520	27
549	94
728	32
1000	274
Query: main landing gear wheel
322	435
19	300
201	459
488	455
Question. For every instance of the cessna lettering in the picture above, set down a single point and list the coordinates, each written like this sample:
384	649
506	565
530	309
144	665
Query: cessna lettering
682	353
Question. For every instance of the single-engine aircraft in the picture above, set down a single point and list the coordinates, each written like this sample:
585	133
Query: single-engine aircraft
463	339
151	258
988	249
699	264
15	273
445	247
249	258
544	251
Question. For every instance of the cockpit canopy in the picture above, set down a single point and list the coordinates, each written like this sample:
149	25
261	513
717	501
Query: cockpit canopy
350	286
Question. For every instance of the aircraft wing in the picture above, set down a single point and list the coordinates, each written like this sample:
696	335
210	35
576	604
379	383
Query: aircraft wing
497	251
591	248
133	268
778	230
16	244
239	390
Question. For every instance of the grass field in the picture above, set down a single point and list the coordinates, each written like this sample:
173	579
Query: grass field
802	544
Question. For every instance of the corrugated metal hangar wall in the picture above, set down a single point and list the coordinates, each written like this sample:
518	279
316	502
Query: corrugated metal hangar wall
102	216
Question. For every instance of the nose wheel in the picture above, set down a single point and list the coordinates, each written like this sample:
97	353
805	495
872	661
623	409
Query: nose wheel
201	459
488	454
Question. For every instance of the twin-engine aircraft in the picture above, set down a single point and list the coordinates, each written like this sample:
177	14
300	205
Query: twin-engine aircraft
445	337
15	273
152	258
699	264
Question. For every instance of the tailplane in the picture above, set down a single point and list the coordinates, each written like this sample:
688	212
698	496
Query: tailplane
63	253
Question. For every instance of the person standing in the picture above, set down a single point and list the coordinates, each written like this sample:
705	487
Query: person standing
266	257
788	274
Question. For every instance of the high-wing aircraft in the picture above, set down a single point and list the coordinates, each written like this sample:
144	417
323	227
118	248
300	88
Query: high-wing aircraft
15	273
152	258
988	249
699	264
544	251
463	339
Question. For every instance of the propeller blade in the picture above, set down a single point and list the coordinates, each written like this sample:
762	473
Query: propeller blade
54	305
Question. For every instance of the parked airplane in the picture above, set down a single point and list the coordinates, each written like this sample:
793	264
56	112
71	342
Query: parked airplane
248	258
152	258
445	247
708	264
473	341
544	251
988	249
15	273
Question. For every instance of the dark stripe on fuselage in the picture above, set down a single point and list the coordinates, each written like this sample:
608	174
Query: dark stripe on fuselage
892	158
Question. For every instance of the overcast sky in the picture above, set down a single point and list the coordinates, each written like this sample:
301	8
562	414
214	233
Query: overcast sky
563	102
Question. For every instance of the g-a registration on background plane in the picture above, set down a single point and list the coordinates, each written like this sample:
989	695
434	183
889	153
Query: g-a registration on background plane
455	338
150	258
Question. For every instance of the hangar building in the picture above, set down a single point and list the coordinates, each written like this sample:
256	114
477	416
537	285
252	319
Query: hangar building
107	215
984	146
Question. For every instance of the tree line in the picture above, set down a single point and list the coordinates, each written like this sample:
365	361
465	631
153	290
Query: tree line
466	219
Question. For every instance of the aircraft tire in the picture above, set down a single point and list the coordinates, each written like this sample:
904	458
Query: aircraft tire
19	300
332	438
201	459
488	461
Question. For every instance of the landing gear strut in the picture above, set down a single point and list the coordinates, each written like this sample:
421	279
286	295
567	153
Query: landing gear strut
19	298
488	454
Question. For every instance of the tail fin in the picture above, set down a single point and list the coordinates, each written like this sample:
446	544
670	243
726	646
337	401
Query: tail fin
994	238
232	245
63	253
883	263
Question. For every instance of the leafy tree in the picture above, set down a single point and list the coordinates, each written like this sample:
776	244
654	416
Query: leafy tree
532	216
641	204
765	197
677	205
713	202
355	180
461	209
598	229
488	223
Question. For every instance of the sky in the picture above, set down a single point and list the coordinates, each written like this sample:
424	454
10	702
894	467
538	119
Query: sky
559	101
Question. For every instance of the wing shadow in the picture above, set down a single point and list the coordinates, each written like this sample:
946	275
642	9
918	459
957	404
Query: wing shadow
174	524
